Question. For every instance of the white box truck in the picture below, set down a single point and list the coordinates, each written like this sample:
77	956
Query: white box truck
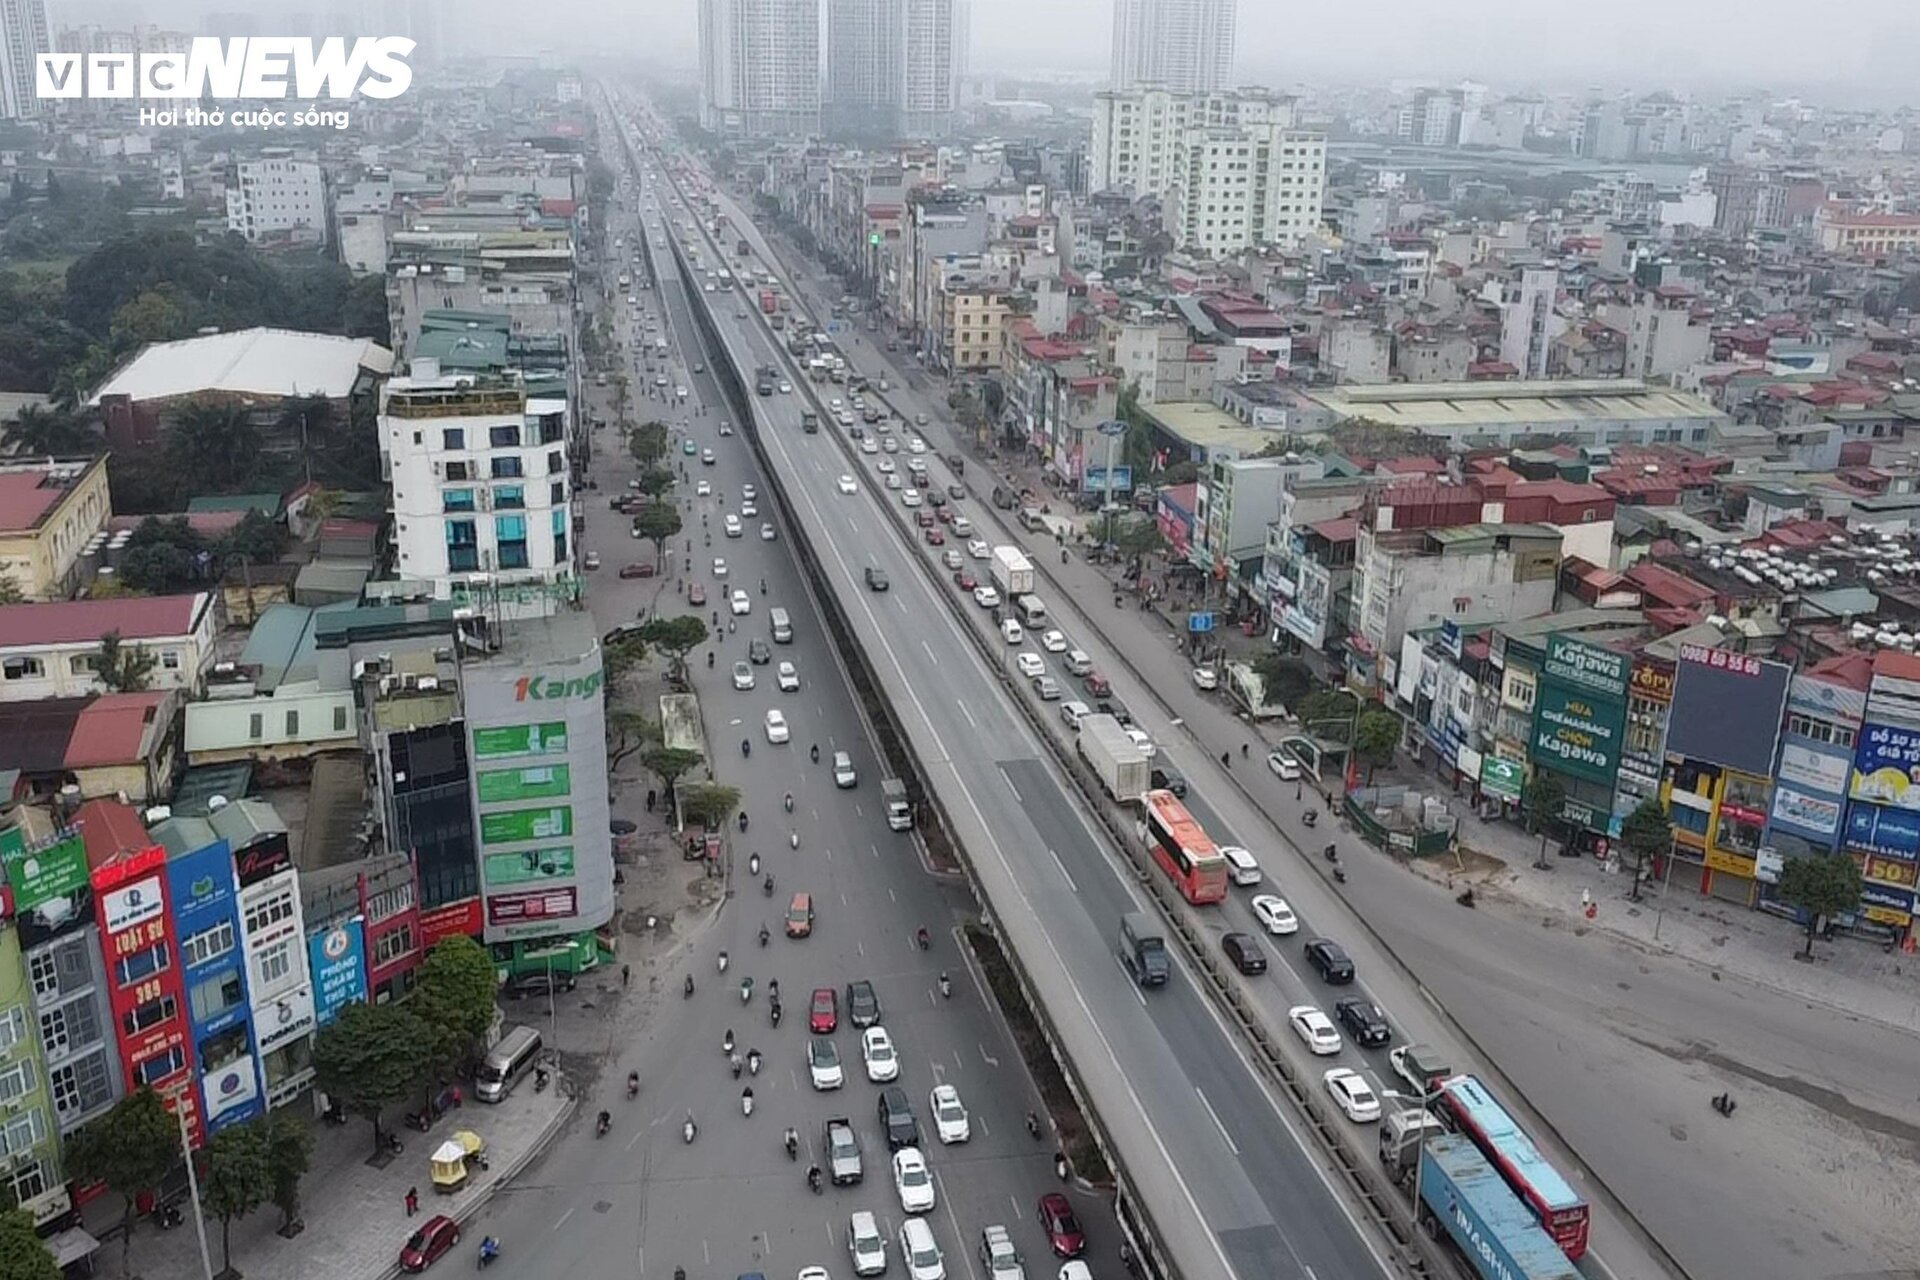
1116	758
1012	572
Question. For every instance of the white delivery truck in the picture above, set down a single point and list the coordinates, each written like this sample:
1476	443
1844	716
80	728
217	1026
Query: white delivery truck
1012	572
1116	758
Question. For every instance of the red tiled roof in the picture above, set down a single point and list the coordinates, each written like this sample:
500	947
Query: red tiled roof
25	500
1667	586
1901	666
108	828
83	621
1850	670
1799	533
113	729
1338	529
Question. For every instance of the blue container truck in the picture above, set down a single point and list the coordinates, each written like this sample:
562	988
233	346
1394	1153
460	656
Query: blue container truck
1466	1197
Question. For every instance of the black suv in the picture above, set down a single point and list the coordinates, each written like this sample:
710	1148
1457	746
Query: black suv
863	1006
897	1118
1164	779
876	578
538	983
1333	964
759	653
1244	950
1364	1020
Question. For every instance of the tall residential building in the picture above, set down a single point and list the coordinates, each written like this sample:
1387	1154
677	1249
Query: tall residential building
1528	323
481	493
890	66
23	33
1186	45
760	66
277	197
962	43
1231	168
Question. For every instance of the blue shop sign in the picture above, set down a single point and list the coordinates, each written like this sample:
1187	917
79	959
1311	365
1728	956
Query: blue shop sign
1874	829
1873	894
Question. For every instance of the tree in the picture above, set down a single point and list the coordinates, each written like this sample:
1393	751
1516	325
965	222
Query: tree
1375	739
234	1179
132	1148
10	592
123	668
43	431
213	447
657	523
648	443
371	1056
628	732
1287	680
23	1254
669	764
1822	887
289	1156
1329	713
162	554
1137	534
622	656
1543	799
676	637
454	995
709	803
154	316
257	539
1646	834
655	482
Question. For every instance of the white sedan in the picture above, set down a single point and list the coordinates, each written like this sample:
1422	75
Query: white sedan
885	466
1054	641
986	597
866	1244
847	485
869	446
742	676
1206	678
1284	765
777	731
787	678
912	1180
748	493
1031	665
1314	1028
979	549
823	1064
1353	1095
748	510
910	498
731	525
949	1114
719	567
1144	742
1275	915
767	531
703	490
739	602
876	1050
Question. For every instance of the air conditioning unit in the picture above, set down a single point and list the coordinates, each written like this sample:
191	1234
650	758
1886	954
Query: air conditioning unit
429	684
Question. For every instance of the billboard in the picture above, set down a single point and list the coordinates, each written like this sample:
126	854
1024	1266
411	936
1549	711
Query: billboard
1727	708
51	890
1891	832
1306	615
1580	710
338	958
1886	766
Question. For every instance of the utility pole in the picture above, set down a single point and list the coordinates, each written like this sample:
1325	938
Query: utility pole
180	1104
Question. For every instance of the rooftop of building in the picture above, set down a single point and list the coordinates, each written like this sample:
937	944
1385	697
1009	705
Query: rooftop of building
31	491
270	363
1431	406
85	621
1209	427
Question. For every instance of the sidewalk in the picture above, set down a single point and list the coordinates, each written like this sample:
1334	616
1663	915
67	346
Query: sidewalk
355	1213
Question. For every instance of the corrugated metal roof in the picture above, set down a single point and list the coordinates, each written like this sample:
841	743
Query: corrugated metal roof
277	363
83	621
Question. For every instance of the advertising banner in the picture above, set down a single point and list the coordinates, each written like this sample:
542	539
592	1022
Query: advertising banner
1808	815
517	908
1873	829
338	959
1577	733
1814	769
1306	616
1727	708
545	739
284	1018
531	782
1886	766
514	826
529	865
1502	778
1600	672
48	882
448	919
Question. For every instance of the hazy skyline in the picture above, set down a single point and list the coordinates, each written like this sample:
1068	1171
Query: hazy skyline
1783	44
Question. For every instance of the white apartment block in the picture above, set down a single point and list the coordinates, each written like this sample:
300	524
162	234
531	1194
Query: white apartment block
23	34
890	65
1186	45
1232	170
760	66
481	491
926	68
276	196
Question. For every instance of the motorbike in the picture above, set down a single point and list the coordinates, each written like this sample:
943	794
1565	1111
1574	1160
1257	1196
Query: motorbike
922	938
540	1076
746	749
1033	1126
709	659
746	989
767	885
1330	853
723	961
1339	876
633	1084
946	987
686	992
773	1011
1724	1104
813	1178
602	1124
814	751
1465	899
1311	817
793	837
753	1062
489	1250
789	802
688	1129
166	1216
743	820
793	1145
764	935
733	1061
726	1042
753	865
1060	1165
746	1101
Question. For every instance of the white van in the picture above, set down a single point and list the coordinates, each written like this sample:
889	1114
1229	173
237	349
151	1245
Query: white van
506	1062
1241	868
1033	610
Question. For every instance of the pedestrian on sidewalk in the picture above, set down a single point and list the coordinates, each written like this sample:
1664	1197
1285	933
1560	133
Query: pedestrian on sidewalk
650	798
413	1201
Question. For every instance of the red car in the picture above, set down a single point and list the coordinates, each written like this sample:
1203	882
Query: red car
823	1014
640	569
1096	684
696	593
936	538
964	580
1062	1228
424	1247
945	514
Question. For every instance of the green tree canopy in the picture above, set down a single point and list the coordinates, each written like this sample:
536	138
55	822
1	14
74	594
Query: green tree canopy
1542	799
1376	738
648	443
1646	834
289	1156
656	523
454	994
709	803
676	637
23	1254
1823	887
656	482
628	732
132	1148
1329	713
372	1056
669	764
48	431
234	1179
1287	680
213	447
257	539
123	668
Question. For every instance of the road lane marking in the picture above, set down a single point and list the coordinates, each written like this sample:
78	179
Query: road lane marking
563	1220
1010	787
631	1144
971	722
1215	1117
1064	873
988	1058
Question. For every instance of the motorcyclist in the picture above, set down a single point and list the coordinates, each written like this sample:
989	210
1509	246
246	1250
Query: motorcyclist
489	1249
764	935
922	937
813	1176
753	864
633	1083
746	749
789	802
767	884
793	1143
814	751
604	1122
946	985
709	659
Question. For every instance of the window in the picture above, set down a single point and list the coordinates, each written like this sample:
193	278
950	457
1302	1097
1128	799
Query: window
557	492
507	469
453	438
141	964
268	912
340	719
510	497
510	536
459	471
160	1066
83	663
504	437
293	724
27	1182
463	551
23	1132
81	1085
169	659
207	945
382	905
22	669
13	1025
140	1018
555	463
17	1081
275	963
456	500
214	996
392	945
256	725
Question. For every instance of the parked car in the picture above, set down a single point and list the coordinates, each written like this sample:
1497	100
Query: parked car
426	1246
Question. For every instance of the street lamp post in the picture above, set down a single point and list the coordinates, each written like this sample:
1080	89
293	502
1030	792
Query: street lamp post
193	1177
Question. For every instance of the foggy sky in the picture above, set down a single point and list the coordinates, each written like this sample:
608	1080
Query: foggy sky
1853	49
